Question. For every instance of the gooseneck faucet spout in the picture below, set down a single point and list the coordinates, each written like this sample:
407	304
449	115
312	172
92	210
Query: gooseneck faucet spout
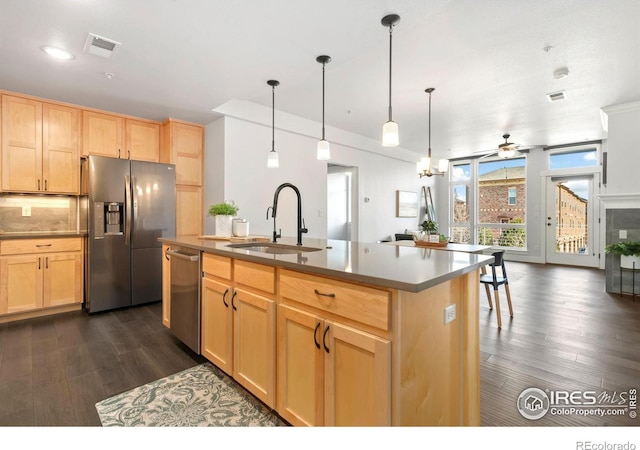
274	210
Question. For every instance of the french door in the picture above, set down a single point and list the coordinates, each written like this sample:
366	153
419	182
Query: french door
572	220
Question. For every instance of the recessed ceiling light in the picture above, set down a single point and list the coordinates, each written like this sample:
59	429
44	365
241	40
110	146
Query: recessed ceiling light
561	73
109	75
56	52
555	96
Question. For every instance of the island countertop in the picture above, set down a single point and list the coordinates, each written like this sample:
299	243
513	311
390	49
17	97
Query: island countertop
405	268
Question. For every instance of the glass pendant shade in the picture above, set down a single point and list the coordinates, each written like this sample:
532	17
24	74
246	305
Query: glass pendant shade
443	165
272	160
390	136
324	152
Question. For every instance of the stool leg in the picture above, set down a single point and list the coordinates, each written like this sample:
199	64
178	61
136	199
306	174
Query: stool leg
497	298
506	288
486	288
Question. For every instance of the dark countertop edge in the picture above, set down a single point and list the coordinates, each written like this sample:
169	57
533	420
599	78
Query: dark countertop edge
40	235
341	275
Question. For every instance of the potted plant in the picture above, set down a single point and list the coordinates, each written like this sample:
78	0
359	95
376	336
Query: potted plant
223	214
629	252
430	228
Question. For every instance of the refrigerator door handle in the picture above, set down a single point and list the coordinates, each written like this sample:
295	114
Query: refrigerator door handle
134	228
127	210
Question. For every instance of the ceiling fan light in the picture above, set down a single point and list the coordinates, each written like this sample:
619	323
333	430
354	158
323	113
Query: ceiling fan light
506	153
443	165
324	151
390	137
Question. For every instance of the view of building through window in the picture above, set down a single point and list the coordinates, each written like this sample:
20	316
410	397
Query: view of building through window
571	217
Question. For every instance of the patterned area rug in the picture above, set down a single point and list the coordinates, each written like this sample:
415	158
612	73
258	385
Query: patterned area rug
200	396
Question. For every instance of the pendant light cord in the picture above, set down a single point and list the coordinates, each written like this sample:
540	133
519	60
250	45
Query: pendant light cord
390	52
273	118
323	64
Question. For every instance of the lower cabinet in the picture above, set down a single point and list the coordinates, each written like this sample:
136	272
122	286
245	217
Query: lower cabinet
238	330
331	374
33	275
166	286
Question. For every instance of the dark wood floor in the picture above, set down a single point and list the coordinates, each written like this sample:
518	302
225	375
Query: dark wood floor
567	334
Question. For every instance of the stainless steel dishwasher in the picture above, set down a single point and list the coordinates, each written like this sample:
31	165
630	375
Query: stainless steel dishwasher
185	296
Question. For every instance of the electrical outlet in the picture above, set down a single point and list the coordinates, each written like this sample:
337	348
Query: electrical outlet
26	211
622	234
449	314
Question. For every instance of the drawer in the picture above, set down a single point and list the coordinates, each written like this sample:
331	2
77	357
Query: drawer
254	275
215	265
24	246
360	303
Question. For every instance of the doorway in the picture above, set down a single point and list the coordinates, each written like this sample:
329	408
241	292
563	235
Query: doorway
342	207
572	220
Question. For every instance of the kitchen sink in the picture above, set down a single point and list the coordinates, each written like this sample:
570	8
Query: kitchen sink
274	248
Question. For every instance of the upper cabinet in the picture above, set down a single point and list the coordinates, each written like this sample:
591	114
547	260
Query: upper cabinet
40	146
120	137
182	145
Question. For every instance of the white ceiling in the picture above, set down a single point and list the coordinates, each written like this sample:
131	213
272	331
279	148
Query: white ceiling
485	58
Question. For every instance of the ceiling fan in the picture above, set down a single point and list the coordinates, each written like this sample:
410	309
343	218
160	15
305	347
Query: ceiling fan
505	150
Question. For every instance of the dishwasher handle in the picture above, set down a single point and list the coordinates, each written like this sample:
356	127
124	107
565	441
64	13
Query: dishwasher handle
180	255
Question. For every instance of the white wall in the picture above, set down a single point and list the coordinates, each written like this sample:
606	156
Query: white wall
243	137
623	148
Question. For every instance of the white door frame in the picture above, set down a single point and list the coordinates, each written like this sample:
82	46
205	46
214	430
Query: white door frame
591	257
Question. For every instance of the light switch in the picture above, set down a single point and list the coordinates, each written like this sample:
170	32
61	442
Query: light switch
26	211
622	234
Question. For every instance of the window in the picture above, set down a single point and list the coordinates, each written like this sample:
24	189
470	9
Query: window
512	196
586	157
460	225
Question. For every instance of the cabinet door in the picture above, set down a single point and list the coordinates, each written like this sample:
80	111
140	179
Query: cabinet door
187	142
189	215
63	279
60	149
102	134
357	377
21	144
300	367
166	287
254	344
20	283
217	324
142	140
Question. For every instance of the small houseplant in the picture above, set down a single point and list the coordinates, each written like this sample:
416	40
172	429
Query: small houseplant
223	214
430	228
629	252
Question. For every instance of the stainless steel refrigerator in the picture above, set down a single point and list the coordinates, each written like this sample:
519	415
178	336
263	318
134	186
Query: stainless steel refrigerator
130	205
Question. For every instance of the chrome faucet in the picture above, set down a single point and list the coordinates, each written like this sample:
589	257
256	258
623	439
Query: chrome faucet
274	210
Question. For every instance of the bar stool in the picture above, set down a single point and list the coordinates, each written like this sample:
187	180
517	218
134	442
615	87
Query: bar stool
495	280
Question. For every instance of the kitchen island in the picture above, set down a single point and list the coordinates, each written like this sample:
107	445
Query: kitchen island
345	333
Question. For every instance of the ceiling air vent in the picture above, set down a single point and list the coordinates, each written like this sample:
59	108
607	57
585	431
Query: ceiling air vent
100	46
555	96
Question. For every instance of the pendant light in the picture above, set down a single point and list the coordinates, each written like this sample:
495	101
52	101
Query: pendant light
424	165
272	159
324	152
390	128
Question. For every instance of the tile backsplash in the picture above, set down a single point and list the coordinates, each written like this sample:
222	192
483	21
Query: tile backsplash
618	279
35	213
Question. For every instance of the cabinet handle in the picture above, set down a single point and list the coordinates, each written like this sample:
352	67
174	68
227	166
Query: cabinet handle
46	262
45	185
38	183
232	304
118	153
225	296
166	255
39	263
315	332
317	292
43	245
324	339
128	154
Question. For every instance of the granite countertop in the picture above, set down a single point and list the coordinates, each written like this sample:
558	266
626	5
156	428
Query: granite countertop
4	235
410	269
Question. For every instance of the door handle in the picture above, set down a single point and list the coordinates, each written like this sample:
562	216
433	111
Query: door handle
232	303
315	332
127	210
324	339
225	296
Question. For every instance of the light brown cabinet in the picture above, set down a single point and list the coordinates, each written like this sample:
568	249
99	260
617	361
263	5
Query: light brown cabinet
238	322
182	144
40	146
40	273
330	373
119	137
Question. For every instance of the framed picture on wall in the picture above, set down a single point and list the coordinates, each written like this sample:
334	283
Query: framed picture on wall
406	204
